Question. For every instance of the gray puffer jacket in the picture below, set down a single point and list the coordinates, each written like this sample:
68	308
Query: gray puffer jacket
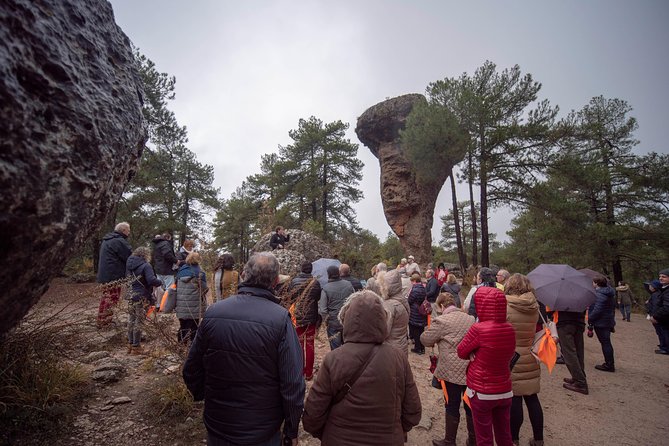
191	293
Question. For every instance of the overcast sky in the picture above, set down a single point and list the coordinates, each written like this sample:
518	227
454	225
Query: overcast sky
248	71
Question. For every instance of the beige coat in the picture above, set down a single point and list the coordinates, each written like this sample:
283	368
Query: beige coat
523	312
382	404
397	307
447	331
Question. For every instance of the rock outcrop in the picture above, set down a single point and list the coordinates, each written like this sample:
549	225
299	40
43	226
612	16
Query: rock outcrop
71	135
302	246
408	202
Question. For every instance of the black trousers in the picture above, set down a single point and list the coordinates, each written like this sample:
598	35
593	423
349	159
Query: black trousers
187	330
414	332
535	412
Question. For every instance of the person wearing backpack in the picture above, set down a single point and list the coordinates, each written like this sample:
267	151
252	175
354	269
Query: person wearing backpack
417	318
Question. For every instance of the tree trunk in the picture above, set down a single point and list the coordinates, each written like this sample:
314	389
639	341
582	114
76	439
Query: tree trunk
613	243
462	256
472	206
324	204
483	175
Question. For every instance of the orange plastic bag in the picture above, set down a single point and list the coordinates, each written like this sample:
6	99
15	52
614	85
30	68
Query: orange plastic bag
544	349
291	310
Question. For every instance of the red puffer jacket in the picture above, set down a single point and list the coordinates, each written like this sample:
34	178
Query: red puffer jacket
492	340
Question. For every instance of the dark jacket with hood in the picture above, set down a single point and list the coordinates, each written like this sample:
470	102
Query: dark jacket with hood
383	403
246	363
493	341
654	297
416	297
306	307
601	314
163	256
114	253
143	279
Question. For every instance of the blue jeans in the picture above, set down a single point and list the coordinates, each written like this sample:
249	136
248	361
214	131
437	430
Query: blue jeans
626	310
334	336
604	337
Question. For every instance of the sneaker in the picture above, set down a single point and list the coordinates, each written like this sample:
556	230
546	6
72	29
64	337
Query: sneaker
661	352
576	388
606	368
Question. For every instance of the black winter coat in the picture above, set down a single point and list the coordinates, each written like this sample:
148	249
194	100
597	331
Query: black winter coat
432	289
246	363
601	314
306	310
357	285
416	297
143	281
114	252
661	311
163	256
454	290
278	239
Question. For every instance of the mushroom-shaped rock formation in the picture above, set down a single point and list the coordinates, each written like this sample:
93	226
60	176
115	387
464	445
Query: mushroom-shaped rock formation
72	133
308	246
408	201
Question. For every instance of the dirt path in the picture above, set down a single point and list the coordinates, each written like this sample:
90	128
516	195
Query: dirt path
629	407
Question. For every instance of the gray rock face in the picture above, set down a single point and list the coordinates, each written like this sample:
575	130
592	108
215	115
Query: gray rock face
408	202
71	135
108	370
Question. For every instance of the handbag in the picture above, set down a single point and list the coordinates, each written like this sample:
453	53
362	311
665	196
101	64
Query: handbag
425	308
544	346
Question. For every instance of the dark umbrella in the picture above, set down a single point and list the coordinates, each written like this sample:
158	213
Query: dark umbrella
562	288
592	274
320	269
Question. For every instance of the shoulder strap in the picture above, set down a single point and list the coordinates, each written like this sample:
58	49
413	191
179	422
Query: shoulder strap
350	382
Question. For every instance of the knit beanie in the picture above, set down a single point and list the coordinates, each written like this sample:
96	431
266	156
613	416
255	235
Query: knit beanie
664	272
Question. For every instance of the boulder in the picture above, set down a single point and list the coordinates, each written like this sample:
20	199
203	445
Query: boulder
408	201
72	135
302	247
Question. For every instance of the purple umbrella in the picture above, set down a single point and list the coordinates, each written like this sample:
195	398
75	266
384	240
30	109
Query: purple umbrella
562	288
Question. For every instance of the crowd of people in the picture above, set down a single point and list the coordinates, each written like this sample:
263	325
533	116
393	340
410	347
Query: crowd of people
251	354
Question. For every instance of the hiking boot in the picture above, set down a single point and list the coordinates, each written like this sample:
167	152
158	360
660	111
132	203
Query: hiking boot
661	352
418	352
606	367
576	388
569	380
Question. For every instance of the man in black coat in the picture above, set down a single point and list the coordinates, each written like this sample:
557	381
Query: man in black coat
164	259
246	363
345	273
306	291
279	238
114	253
660	316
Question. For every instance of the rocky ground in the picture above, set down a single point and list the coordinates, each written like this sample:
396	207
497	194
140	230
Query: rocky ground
123	405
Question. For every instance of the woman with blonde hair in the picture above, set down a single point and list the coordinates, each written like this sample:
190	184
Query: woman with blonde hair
446	331
522	312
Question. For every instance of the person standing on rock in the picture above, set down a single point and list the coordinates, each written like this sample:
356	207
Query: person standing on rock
142	280
333	296
246	364
279	238
345	273
114	253
164	260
